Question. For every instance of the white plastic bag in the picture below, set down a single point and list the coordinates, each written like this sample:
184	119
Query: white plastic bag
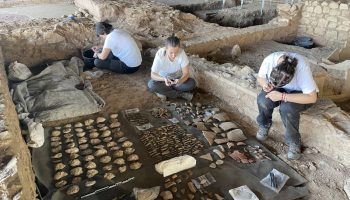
18	72
36	134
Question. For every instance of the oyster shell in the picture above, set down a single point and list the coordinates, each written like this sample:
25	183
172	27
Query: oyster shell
95	141
67	130
133	157
90	183
56	149
68	140
53	139
90	165
129	150
101	125
68	135
100	120
118	153
88	122
135	165
94	135
55	133
104	128
91	173
113	116
105	159
79	130
122	169
82	140
83	146
115	148
58	128
81	134
107	139
76	171
123	139
89	127
57	155
86	152
119	134
60	183
89	158
100	146
70	145
78	125
93	130
106	133
72	150
114	125
127	144
59	166
111	144
107	167
75	162
56	143
100	152
73	190
119	161
67	125
60	175
73	156
109	176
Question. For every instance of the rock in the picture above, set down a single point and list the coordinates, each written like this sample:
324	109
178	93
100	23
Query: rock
73	189
222	117
236	135
236	51
191	187
221	141
201	126
216	130
219	153
207	157
228	126
212	165
312	167
219	162
209	136
166	195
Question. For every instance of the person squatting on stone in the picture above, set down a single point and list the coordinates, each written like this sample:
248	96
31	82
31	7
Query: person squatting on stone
286	81
120	52
170	72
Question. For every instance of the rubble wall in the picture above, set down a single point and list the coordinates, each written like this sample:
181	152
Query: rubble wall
325	126
21	184
326	22
40	42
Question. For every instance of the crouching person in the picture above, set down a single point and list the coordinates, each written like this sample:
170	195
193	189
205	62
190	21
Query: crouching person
170	76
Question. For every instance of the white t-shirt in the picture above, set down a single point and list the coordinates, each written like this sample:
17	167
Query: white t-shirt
302	80
165	67
124	47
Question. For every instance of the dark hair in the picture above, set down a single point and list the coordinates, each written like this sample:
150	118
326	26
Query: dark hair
103	28
172	41
283	73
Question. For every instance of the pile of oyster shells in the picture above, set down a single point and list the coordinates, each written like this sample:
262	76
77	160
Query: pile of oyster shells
82	150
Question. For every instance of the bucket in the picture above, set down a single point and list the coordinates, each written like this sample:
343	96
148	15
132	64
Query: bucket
88	57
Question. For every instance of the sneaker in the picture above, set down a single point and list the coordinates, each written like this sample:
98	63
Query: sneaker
162	97
294	152
262	133
187	96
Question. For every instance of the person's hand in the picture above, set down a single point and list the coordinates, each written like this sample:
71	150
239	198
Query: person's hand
95	55
167	82
96	49
274	96
267	88
176	82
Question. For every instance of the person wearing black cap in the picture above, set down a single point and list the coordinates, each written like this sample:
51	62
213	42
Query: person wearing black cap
120	52
287	82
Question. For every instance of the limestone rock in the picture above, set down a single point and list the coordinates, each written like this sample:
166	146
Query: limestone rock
209	136
221	141
73	190
207	156
222	117
236	135
227	126
235	51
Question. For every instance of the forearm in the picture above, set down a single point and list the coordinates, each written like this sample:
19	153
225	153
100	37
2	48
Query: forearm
301	98
156	77
262	82
183	78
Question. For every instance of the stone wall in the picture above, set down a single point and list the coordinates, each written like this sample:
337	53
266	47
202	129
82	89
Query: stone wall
326	22
325	127
16	174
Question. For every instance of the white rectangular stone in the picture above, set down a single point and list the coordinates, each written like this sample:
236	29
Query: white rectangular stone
334	12
309	9
315	3
332	25
333	5
305	14
343	35
332	19
343	6
326	10
322	23
305	21
332	35
346	23
319	31
343	28
345	13
318	10
324	4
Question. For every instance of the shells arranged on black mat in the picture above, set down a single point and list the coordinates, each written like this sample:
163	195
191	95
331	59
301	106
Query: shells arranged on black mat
73	190
60	183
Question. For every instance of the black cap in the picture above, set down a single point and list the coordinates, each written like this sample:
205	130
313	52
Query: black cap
100	28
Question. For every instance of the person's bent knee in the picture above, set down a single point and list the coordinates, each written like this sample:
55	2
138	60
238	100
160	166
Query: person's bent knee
152	85
191	84
262	100
288	108
98	63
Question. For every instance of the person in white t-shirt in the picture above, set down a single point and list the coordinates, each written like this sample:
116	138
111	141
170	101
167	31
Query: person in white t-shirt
286	81
120	52
170	73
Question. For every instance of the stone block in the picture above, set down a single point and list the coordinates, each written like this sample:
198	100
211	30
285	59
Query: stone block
318	10
310	30
319	31
326	10
305	21
346	23
343	28
332	35
332	19
322	23
324	4
343	35
343	6
306	3
345	13
313	23
283	7
333	5
332	25
305	14
309	9
315	3
334	12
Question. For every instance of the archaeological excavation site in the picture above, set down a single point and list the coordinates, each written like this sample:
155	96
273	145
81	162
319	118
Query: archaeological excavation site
181	99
